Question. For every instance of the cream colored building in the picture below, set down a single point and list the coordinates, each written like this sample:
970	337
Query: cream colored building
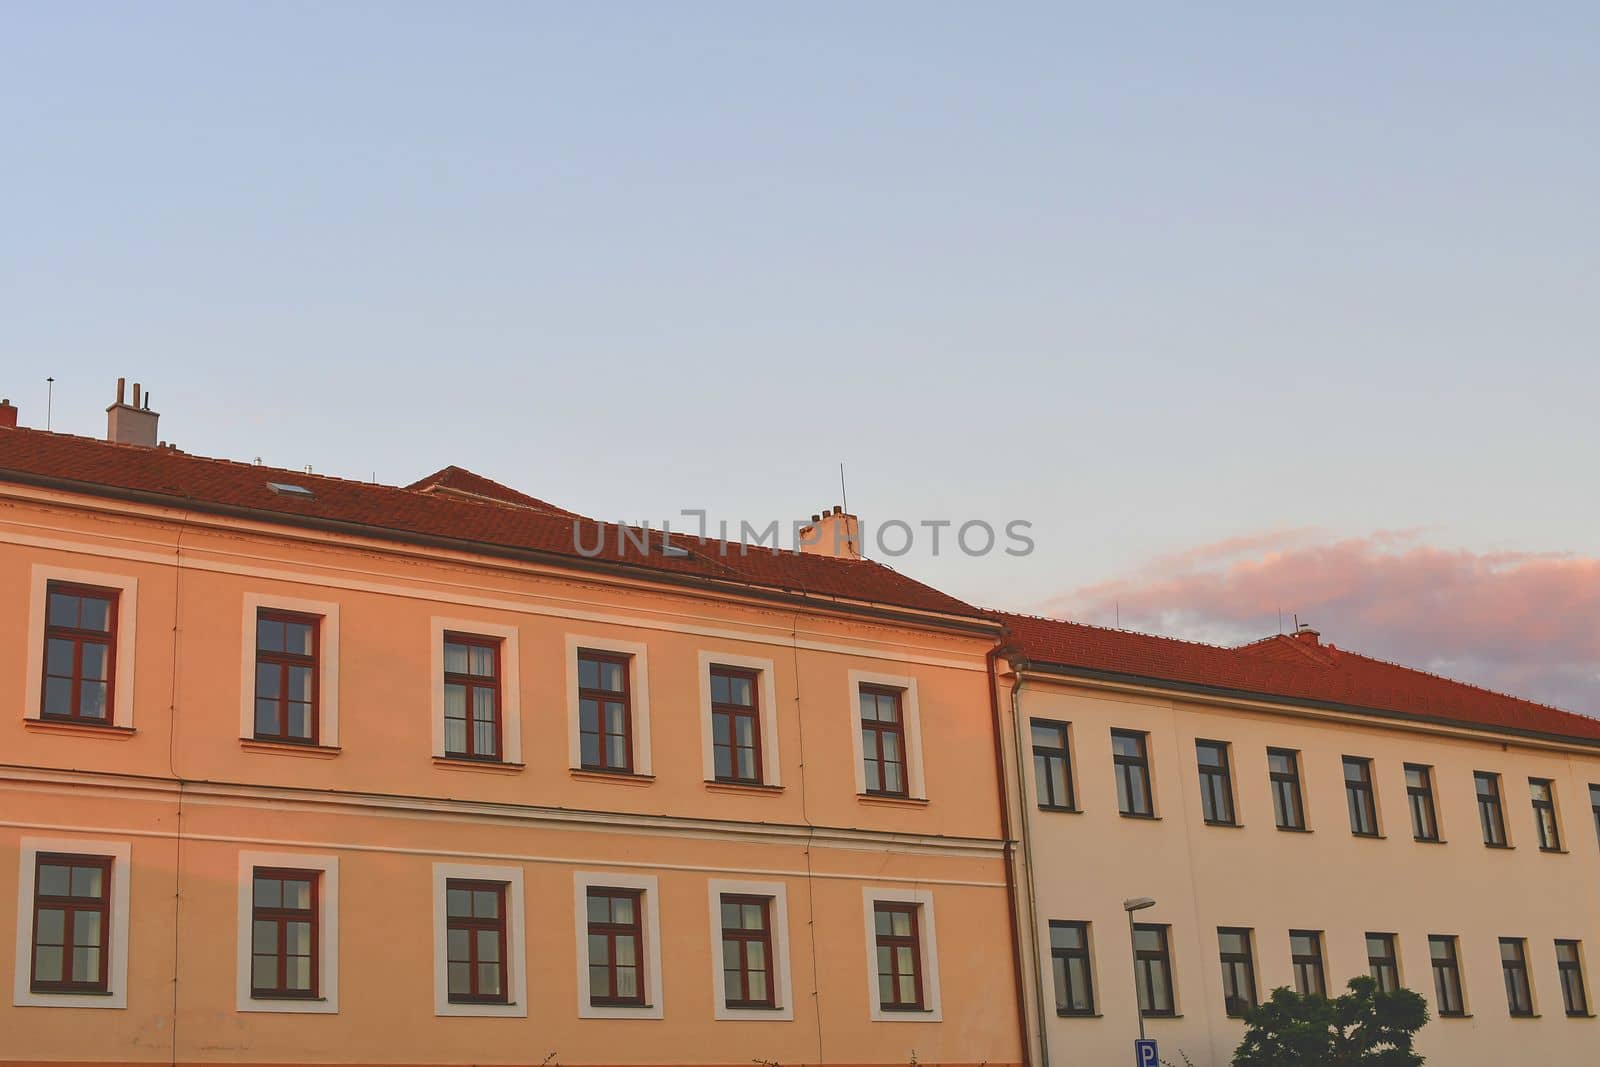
1253	872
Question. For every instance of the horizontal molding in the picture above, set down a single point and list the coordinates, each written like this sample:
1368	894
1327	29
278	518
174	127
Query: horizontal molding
698	625
289	798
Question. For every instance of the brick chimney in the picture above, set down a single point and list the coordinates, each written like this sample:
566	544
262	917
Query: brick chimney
131	424
8	413
833	533
1307	636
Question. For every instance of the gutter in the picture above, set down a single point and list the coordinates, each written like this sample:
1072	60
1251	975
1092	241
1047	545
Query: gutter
1244	695
1028	871
976	625
1010	853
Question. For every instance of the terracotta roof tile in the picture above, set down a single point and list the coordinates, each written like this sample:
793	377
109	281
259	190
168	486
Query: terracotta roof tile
470	509
1289	668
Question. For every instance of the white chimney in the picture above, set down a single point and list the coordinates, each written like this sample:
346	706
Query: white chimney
131	424
834	533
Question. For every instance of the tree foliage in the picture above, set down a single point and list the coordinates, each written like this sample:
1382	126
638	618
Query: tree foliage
1361	1028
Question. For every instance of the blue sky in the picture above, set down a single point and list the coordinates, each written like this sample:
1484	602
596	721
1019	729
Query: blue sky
1149	276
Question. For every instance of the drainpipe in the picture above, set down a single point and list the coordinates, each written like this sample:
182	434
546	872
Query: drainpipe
1027	863
1009	846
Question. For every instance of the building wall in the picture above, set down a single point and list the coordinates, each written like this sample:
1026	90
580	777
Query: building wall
1256	876
187	795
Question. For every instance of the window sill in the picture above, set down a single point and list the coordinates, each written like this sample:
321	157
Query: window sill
876	798
1554	851
1500	848
1455	1015
1430	840
1368	837
745	789
1060	810
289	748
57	726
1525	1015
268	999
1224	825
1581	1015
1295	829
1164	1015
620	778
458	763
70	992
1078	1014
1140	816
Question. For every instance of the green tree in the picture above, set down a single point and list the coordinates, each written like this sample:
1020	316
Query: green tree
1361	1028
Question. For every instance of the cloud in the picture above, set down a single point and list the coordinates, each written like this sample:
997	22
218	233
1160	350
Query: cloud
1520	622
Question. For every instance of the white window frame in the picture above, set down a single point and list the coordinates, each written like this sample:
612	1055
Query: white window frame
127	587
327	663
516	962
327	1002
778	916
932	1009
582	882
120	853
771	773
916	787
510	681
638	694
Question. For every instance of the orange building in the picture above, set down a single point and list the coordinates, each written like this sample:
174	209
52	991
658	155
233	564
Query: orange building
300	769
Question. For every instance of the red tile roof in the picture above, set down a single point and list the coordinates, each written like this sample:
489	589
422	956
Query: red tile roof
1291	668
470	508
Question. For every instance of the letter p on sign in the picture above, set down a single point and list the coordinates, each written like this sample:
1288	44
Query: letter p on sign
1145	1055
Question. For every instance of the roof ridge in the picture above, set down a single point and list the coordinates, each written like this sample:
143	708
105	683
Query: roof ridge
1468	685
1109	629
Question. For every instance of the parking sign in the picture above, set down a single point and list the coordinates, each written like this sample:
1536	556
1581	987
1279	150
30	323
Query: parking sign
1144	1053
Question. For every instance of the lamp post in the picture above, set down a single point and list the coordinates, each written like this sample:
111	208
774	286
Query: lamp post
1130	906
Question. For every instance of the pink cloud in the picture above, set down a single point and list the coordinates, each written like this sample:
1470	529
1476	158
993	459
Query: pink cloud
1519	622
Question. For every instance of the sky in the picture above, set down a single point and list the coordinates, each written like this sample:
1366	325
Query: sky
1244	310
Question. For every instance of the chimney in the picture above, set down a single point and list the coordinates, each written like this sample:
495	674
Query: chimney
131	424
8	413
1306	635
833	533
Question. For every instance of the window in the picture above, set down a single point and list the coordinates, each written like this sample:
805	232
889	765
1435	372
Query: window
1052	766
1358	795
1594	804
1152	969
286	686
1131	761
1305	953
899	948
883	741
1216	783
616	943
1419	795
747	979
1491	816
1283	769
479	959
472	718
1383	963
475	942
1569	965
1446	975
1069	962
735	725
1514	967
80	651
283	936
605	715
1238	970
618	926
71	924
1544	814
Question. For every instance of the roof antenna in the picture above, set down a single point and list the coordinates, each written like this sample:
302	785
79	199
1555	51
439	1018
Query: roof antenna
49	400
844	497
1119	614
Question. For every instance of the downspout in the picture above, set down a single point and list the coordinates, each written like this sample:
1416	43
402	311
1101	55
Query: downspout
1009	845
1027	865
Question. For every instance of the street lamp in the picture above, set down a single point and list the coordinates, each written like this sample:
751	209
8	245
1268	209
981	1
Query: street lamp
1131	905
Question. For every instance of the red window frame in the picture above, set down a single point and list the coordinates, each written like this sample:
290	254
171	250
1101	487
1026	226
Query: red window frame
473	924
602	696
873	732
614	932
893	943
726	716
72	906
78	637
740	938
284	661
280	917
471	685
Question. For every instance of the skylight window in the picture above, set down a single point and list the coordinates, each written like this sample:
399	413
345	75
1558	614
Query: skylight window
285	489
